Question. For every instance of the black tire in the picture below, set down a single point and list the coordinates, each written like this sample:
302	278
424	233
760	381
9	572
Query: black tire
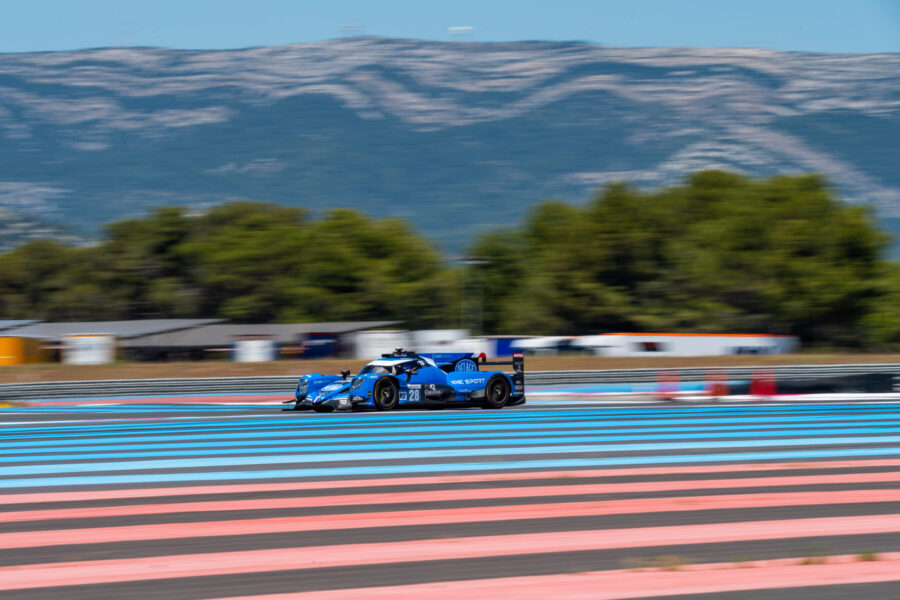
496	392
386	394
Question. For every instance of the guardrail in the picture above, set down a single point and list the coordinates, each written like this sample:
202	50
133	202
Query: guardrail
137	388
703	373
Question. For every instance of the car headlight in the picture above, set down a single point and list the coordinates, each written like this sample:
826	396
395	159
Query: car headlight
303	386
356	384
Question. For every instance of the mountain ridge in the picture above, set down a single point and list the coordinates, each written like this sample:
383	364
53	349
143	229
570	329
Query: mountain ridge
457	137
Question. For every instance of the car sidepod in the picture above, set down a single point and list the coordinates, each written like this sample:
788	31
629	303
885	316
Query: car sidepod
470	385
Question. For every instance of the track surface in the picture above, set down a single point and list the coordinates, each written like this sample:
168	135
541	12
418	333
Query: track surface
556	499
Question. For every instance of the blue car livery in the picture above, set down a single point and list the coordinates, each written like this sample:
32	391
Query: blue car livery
406	379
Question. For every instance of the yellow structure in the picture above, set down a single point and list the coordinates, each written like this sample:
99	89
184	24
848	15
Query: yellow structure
20	350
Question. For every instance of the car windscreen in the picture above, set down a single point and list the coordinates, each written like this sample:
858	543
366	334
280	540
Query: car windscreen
377	369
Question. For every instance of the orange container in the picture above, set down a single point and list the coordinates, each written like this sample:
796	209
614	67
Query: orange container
20	350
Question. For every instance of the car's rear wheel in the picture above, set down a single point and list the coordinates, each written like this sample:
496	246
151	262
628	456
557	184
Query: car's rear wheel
386	394
496	393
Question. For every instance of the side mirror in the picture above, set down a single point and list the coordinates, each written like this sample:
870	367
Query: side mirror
345	373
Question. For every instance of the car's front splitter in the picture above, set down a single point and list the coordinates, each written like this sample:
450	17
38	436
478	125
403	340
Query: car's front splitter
337	403
298	404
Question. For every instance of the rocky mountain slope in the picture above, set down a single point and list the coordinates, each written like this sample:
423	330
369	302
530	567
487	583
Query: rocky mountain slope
457	137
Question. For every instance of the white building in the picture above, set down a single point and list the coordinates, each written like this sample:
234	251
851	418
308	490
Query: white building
544	345
685	344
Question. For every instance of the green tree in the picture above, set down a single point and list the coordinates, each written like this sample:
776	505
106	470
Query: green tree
45	280
244	259
719	253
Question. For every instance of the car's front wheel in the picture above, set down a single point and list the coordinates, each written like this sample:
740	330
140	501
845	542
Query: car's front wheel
386	394
496	393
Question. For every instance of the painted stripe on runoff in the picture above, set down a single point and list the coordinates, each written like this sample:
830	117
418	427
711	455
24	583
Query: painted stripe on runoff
480	426
393	498
339	444
359	443
445	434
342	453
335	471
710	578
243	488
512	512
319	557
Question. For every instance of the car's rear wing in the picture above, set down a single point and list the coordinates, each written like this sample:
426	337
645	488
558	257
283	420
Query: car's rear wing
518	365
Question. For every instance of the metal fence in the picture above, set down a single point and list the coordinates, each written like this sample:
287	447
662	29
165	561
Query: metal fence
138	388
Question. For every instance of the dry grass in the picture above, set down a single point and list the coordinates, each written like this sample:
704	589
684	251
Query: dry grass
216	368
671	562
636	563
817	555
660	563
742	561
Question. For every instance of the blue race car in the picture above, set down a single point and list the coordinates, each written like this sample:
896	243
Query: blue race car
406	379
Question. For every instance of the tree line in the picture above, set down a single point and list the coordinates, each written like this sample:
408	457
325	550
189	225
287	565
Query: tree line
718	253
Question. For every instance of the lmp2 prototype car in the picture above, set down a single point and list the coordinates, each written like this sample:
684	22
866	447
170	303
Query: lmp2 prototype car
406	379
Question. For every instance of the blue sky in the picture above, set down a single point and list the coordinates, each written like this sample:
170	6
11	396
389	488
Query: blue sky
813	25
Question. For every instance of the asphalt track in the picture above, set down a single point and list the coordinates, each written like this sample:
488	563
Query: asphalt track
569	497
